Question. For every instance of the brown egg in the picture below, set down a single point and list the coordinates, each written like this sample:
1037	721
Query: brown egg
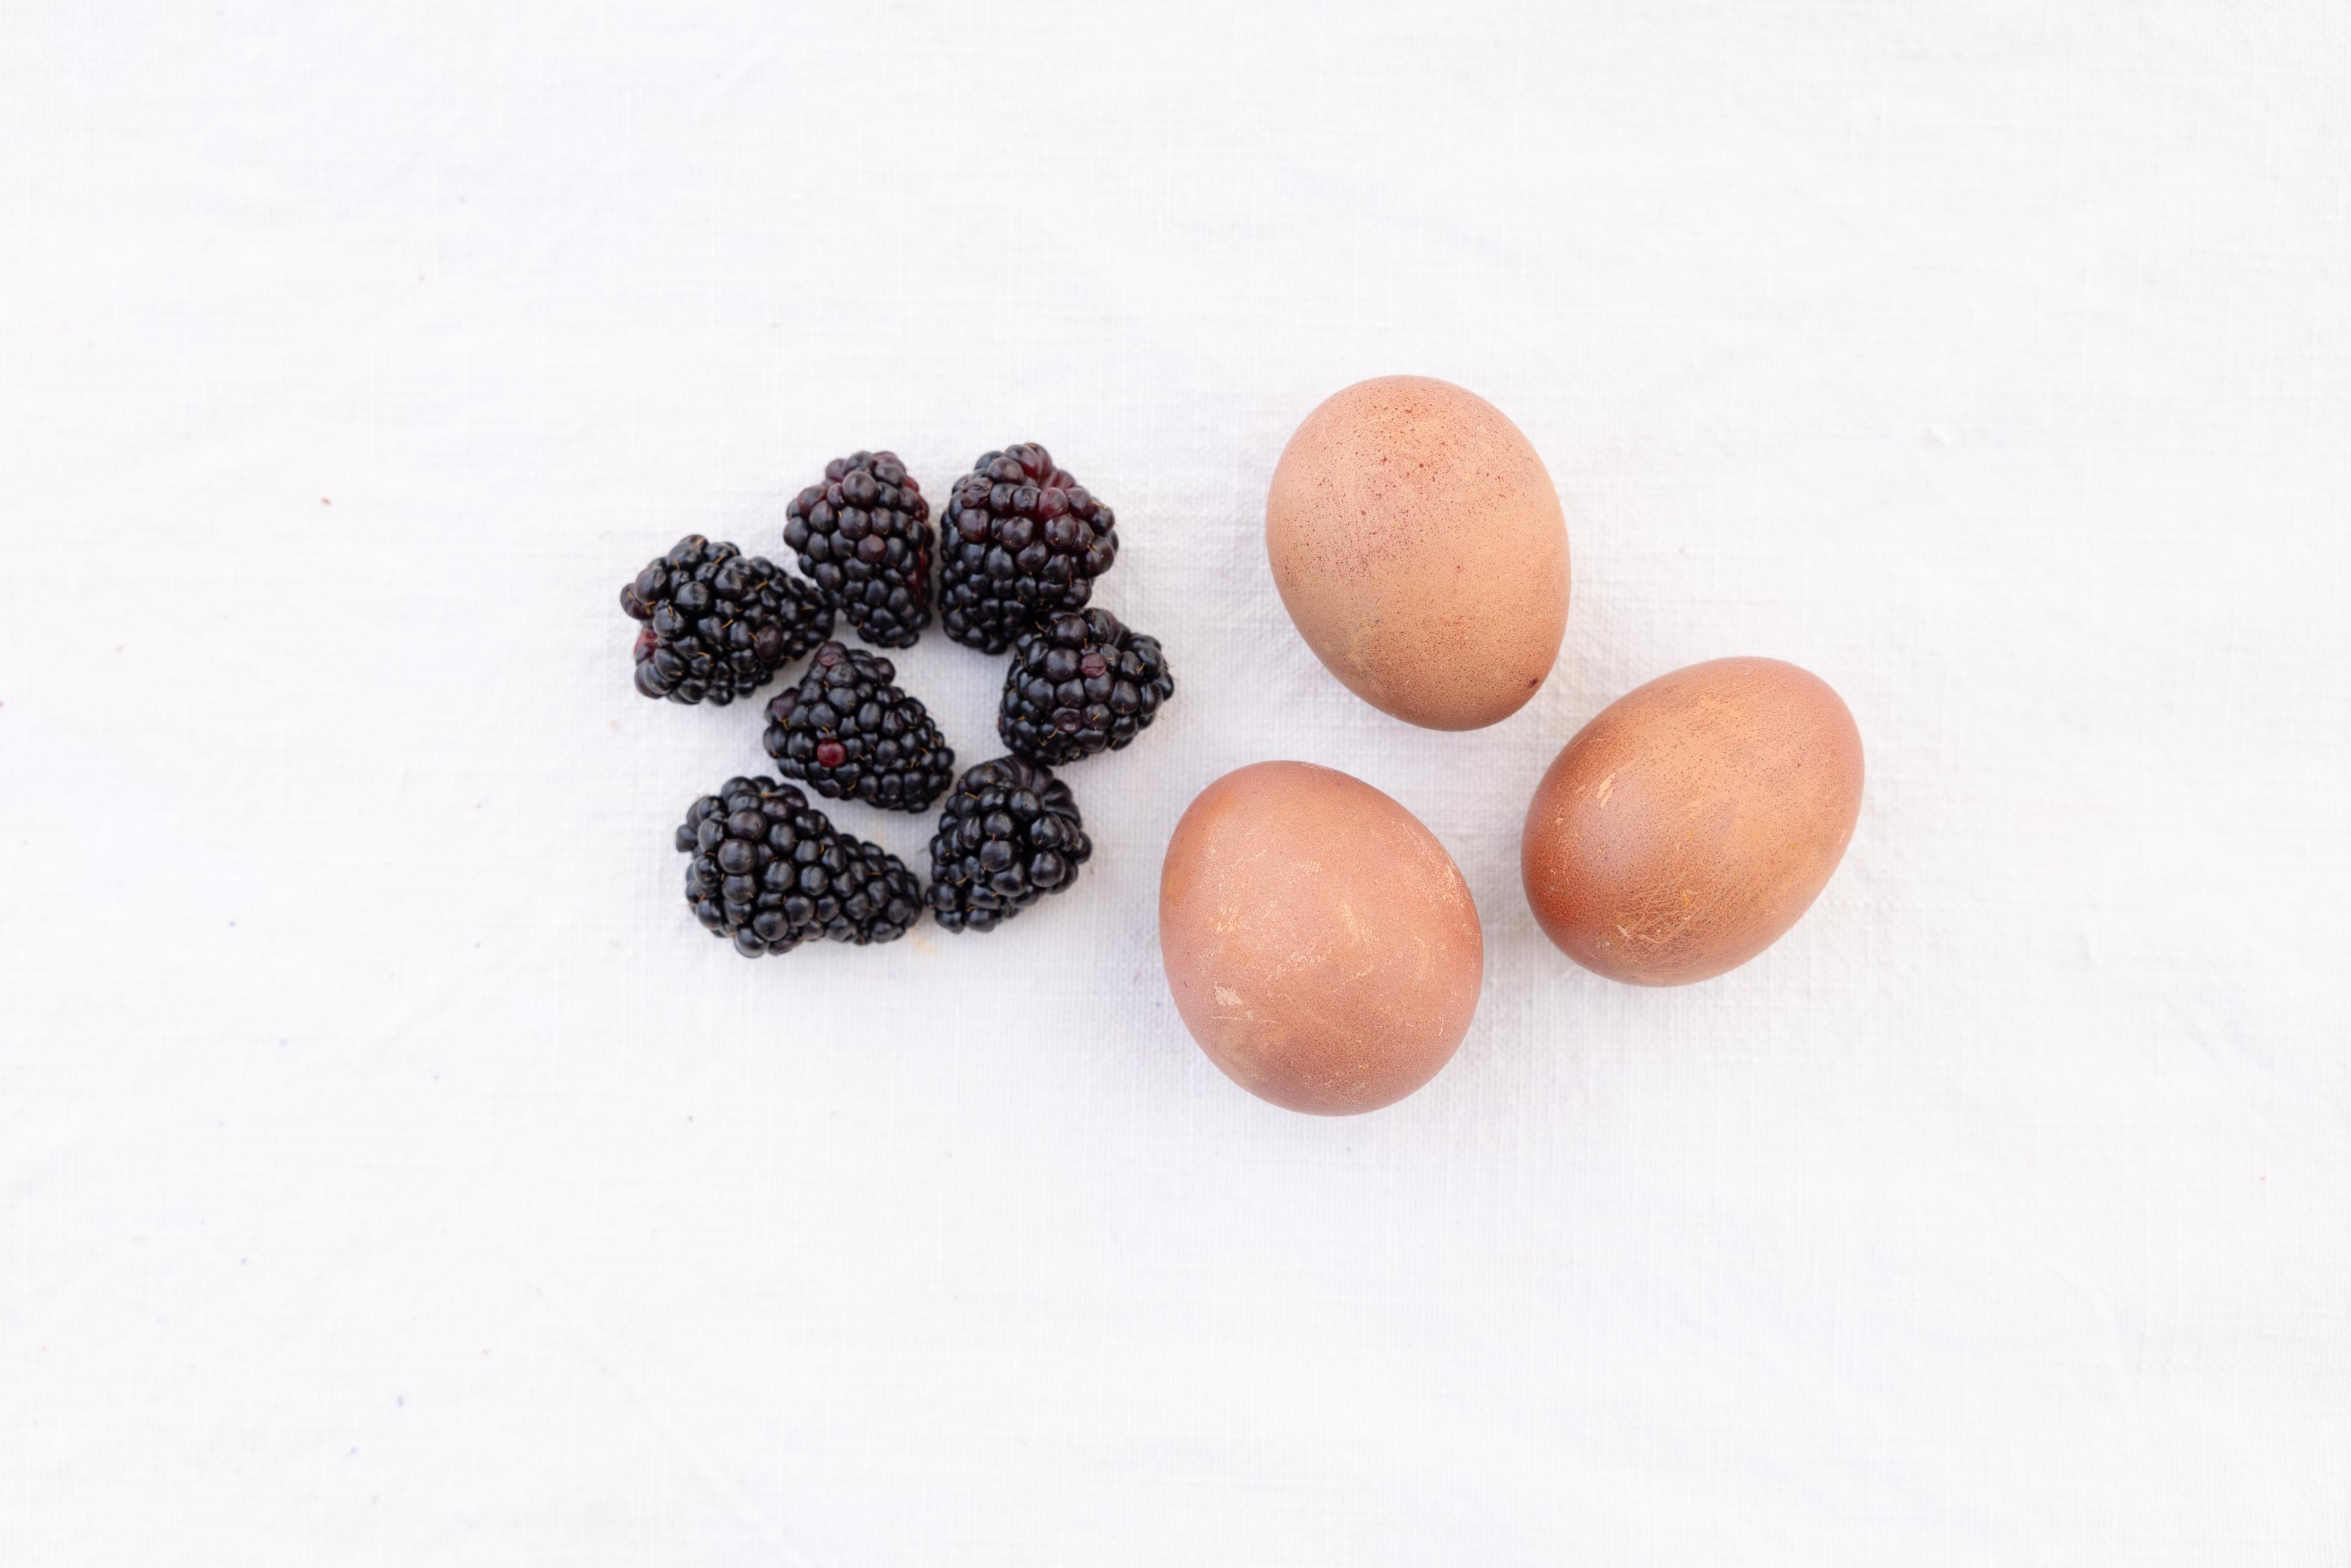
1685	828
1418	544
1321	944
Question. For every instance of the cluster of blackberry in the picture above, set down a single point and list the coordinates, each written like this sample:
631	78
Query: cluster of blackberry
1022	543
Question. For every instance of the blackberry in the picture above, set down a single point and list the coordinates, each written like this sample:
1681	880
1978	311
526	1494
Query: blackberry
1079	684
1020	539
769	871
852	735
1008	835
863	536
718	623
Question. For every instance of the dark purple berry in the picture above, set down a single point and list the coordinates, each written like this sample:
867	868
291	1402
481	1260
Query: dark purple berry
718	624
1080	684
1021	540
852	733
864	537
1009	835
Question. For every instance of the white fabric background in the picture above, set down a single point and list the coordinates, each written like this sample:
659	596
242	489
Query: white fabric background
391	1172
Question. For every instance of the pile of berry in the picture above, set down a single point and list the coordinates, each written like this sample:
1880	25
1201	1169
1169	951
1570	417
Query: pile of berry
1020	545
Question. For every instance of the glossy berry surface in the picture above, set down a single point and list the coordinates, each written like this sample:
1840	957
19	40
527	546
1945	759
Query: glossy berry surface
769	871
864	537
1080	684
1020	539
851	733
718	624
1009	835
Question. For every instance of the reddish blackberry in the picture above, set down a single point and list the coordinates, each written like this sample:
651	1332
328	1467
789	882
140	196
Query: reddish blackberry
1079	684
1020	539
852	735
769	871
863	536
1008	835
718	623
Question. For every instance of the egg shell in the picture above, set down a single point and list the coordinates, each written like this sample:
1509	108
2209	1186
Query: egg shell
1321	945
1417	543
1694	821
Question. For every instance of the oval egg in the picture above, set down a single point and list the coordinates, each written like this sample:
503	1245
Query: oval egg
1322	946
1417	543
1694	821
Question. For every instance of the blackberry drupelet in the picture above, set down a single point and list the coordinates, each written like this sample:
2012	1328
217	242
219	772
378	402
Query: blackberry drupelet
884	897
1008	835
1020	539
853	735
863	536
718	623
1080	684
769	871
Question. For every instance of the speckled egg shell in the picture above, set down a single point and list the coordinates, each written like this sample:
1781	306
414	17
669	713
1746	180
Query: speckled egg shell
1690	824
1418	544
1321	946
